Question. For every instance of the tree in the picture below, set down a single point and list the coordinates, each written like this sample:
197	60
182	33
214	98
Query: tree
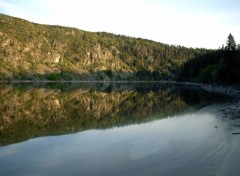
231	44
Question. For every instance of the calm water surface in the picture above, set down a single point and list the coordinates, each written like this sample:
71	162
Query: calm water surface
140	129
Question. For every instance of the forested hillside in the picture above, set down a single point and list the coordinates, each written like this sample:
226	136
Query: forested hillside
31	51
221	66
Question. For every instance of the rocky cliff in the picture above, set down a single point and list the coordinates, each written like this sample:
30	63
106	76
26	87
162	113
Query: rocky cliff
30	51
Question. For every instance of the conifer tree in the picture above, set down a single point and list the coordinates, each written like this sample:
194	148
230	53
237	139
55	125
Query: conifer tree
231	44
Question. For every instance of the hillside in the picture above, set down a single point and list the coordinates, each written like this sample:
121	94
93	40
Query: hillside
221	66
30	51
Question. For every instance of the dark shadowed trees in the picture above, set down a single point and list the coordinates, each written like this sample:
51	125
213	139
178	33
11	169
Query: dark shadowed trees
231	44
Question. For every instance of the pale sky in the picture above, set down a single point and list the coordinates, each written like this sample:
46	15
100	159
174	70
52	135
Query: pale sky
190	23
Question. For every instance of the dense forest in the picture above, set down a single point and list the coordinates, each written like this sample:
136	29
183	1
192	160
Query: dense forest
32	51
218	66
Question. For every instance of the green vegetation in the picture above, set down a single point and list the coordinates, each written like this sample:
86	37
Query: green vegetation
231	44
45	51
220	66
31	51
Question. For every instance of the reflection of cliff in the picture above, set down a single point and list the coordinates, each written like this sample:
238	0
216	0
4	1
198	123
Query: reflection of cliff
32	112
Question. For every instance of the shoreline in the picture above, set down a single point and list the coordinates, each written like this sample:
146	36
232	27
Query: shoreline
232	91
230	111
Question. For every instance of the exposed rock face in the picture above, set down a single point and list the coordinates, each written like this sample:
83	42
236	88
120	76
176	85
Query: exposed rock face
68	53
41	58
56	104
57	58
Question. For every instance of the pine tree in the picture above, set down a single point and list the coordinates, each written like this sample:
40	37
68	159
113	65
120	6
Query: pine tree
231	44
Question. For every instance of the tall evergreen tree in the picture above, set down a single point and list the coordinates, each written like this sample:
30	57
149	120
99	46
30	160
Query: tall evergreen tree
231	44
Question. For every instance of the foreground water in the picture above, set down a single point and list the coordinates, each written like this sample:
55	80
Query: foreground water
140	129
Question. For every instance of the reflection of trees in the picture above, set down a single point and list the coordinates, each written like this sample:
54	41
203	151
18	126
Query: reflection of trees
30	112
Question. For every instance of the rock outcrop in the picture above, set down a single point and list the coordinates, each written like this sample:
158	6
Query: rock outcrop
30	51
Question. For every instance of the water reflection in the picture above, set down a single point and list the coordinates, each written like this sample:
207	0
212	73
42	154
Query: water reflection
182	145
29	111
143	142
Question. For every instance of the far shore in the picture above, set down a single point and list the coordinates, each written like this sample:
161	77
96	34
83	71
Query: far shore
97	81
233	91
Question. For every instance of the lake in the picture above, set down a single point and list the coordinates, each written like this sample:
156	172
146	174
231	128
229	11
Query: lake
115	129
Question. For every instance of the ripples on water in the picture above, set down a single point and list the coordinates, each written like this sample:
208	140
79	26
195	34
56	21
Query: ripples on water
114	129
